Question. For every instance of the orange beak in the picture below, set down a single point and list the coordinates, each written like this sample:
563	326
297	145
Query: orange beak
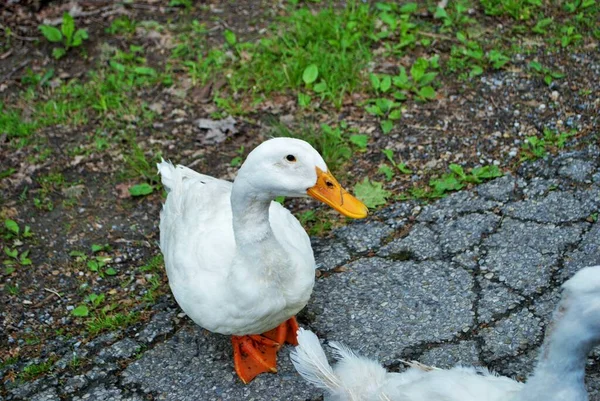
329	191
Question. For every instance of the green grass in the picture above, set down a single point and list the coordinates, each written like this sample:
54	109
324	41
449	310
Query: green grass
32	371
107	322
538	147
155	264
8	361
335	42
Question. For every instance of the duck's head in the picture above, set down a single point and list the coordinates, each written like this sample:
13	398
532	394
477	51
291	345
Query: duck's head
293	168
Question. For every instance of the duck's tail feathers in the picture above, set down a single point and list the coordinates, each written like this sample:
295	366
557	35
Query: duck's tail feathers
171	176
310	361
167	174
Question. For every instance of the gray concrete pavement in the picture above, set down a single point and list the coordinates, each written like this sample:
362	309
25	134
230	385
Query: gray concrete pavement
470	279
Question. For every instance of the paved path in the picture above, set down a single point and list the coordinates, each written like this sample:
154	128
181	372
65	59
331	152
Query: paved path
471	279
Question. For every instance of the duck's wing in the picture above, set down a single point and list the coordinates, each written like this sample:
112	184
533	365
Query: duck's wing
196	234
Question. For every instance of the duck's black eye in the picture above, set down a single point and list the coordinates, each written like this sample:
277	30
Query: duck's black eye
290	158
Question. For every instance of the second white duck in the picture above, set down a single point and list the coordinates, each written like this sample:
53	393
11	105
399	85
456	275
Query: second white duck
558	376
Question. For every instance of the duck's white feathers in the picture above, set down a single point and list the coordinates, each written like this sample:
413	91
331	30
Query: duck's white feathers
198	245
310	361
356	378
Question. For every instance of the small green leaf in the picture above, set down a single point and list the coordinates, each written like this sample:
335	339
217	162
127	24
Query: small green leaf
475	71
440	13
385	105
401	80
110	271
81	311
79	37
280	199
236	161
360	140
408	8
141	189
486	172
458	170
386	126
399	95
389	153
117	66
418	69
147	71
371	193
8	270
536	66
387	171
427	78
395	114
78	254
320	87
373	109
446	183
68	27
12	226
51	33
98	248
310	74
375	81
403	168
58	52
386	83
13	253
304	99
230	37
426	92
93	265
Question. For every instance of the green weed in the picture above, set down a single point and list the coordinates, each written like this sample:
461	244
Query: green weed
122	25
317	222
32	371
536	148
387	171
109	322
67	35
517	9
320	54
155	264
455	180
12	289
371	193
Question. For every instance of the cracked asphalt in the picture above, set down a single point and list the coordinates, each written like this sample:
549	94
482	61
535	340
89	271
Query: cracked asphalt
471	279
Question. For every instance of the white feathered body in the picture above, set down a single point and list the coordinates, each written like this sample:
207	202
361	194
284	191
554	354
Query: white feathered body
356	378
219	287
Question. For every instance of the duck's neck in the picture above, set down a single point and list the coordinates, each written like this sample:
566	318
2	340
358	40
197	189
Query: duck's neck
560	371
250	210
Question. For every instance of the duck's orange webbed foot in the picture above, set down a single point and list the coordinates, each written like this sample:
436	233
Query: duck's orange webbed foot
284	333
253	355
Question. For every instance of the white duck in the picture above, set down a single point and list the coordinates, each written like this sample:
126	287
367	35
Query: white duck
239	263
558	376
